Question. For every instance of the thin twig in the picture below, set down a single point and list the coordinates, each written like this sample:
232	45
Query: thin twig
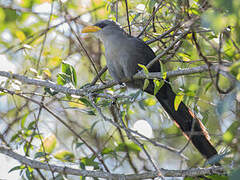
129	28
150	19
45	35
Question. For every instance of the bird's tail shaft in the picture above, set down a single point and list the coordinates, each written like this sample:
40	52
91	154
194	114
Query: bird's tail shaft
191	126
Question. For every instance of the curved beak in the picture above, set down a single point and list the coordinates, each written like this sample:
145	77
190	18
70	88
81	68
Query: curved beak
90	29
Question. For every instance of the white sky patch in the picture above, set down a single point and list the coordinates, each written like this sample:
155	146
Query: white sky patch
86	17
140	7
6	36
144	128
43	8
6	65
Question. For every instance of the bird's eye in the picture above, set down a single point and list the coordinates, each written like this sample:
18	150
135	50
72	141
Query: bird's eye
101	25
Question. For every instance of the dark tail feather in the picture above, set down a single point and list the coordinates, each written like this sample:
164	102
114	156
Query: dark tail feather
192	127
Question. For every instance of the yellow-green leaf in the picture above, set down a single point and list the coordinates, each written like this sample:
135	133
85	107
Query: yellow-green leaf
64	155
178	100
150	101
144	69
20	35
49	143
146	83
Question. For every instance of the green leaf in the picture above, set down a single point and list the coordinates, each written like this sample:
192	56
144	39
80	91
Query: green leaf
23	120
64	155
10	15
69	70
150	101
29	174
39	154
157	85
123	147
107	151
82	165
146	83
90	162
144	69
178	99
62	79
49	143
208	86
14	137
50	91
85	102
16	168
31	125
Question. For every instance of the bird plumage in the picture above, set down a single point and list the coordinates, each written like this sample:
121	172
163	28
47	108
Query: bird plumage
123	54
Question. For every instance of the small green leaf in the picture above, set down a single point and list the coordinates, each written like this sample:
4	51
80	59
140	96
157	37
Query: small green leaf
123	147
107	151
85	102
62	79
50	91
157	85
14	137
146	83
90	162
39	154
177	100
64	155
16	168
23	120
150	101
144	69
49	143
91	113
164	75
29	174
208	86
82	165
69	70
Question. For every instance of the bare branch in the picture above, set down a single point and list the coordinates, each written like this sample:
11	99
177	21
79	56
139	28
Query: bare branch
100	174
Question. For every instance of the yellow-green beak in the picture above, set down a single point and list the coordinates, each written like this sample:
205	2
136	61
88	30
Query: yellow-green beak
90	29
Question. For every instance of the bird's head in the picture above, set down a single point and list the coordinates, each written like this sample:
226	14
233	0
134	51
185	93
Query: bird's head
102	29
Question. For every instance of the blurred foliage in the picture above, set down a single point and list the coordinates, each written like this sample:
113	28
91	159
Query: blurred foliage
27	40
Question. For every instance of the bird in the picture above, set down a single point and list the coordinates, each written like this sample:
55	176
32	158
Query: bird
123	54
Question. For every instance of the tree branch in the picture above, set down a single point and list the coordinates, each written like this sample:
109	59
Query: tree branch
100	174
90	89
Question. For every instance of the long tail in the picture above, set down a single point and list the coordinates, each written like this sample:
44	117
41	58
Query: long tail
192	127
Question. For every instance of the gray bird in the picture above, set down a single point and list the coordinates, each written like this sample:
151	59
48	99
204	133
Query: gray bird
123	54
